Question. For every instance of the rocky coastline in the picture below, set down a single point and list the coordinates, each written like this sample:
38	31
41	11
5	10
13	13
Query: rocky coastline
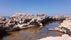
21	21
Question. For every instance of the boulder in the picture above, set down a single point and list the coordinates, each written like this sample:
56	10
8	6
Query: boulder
64	27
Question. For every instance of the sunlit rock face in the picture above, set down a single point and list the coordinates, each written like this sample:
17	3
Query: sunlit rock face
23	20
28	20
59	17
63	37
20	21
66	26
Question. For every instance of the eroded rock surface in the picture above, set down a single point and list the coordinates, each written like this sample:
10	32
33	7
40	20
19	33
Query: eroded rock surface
64	27
58	18
20	21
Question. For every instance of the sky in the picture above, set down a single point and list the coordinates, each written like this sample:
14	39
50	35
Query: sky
48	7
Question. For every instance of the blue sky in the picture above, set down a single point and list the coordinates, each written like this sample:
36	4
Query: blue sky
48	7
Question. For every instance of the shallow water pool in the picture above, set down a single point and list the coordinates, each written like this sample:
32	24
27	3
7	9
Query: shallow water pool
34	33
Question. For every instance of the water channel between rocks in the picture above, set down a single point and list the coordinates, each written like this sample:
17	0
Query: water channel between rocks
34	33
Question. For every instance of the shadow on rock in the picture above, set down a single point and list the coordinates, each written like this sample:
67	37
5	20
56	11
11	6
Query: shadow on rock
3	33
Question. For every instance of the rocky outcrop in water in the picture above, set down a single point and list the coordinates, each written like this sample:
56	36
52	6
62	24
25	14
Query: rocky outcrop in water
20	21
64	27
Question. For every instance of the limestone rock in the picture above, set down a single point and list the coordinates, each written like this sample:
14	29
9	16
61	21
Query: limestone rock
21	21
64	27
63	37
